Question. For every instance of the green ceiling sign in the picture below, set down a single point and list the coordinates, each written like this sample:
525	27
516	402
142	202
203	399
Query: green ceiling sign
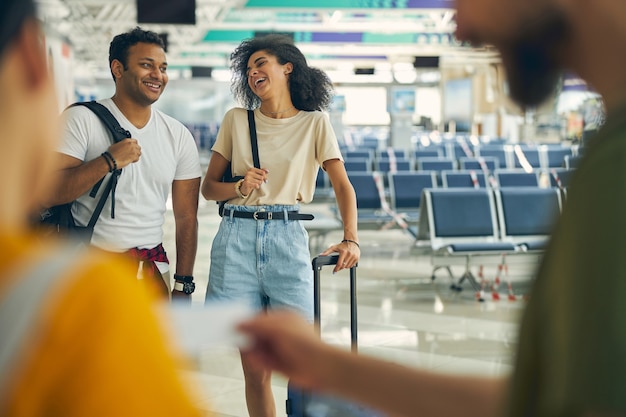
352	4
237	36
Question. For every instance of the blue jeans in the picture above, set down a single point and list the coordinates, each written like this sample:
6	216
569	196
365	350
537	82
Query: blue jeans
266	263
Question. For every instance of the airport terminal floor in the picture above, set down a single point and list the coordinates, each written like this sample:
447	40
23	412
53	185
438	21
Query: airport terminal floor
402	315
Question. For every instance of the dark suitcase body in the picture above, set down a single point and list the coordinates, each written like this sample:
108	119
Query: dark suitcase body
302	403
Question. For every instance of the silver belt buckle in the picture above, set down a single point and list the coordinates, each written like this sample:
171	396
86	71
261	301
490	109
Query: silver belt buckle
255	215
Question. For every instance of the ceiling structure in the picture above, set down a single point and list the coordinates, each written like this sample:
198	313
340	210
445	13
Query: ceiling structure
332	34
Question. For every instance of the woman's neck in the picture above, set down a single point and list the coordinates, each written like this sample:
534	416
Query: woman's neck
278	109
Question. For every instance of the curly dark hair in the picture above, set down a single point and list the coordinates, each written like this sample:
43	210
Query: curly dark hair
118	49
310	88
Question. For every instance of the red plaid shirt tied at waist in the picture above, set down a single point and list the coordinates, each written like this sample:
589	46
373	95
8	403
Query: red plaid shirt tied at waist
147	259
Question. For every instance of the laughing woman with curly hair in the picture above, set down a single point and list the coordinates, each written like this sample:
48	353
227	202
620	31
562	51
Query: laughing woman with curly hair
261	253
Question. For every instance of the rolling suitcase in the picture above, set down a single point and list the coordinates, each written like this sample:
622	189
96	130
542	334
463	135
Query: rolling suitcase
302	403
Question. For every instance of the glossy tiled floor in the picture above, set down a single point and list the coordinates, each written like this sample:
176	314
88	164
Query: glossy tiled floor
403	316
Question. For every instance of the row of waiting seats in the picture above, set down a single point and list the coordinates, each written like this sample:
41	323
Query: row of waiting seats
460	223
481	157
472	227
448	177
382	196
469	225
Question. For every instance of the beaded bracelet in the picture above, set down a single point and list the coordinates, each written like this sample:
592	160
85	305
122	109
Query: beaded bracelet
106	157
107	154
351	241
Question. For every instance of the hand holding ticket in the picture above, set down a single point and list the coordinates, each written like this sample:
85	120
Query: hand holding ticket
196	328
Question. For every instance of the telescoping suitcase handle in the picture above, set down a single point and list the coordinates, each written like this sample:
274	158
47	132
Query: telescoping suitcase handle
319	262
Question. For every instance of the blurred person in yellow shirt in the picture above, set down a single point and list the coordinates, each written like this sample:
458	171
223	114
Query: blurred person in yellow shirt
78	334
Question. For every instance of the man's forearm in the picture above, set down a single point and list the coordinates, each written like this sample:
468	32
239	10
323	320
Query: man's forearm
406	392
75	181
186	245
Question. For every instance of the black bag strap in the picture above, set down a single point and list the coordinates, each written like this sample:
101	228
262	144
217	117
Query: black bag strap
119	134
255	158
109	189
253	139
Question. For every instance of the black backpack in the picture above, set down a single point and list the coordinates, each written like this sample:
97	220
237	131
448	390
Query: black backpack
59	219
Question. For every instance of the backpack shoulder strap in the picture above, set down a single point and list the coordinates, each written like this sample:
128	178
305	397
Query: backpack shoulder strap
118	132
22	302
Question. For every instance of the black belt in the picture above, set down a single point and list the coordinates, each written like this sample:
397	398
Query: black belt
268	215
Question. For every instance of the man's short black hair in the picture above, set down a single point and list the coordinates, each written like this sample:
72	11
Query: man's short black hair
121	44
13	13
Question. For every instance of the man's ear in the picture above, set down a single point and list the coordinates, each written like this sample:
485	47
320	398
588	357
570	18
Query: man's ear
31	48
117	68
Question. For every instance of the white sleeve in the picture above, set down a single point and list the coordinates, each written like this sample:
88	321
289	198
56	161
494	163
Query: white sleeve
188	162
75	132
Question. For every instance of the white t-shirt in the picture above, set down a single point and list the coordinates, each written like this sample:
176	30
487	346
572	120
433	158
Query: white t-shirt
168	153
292	149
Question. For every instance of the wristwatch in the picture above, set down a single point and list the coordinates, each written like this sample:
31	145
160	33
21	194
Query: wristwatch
186	287
184	283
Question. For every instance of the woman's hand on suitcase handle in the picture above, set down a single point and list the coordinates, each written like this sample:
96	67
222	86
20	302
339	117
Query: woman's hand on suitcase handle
349	254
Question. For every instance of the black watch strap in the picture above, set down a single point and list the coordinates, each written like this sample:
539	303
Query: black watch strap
183	278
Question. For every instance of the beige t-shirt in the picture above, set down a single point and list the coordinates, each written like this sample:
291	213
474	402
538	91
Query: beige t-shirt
292	149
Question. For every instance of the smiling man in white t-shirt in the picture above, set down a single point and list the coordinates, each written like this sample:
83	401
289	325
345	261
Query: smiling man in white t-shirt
160	157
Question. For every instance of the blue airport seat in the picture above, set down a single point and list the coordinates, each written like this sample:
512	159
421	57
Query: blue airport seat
500	152
368	199
555	156
571	162
463	179
323	223
526	156
560	177
435	164
516	178
370	142
479	163
462	225
456	150
323	188
527	215
358	165
405	192
360	154
431	152
385	165
398	153
461	215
